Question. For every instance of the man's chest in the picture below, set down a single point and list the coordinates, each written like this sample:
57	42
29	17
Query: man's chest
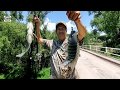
60	51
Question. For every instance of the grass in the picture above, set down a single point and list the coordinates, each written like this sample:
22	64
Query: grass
44	73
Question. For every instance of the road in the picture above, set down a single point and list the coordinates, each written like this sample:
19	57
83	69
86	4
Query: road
93	67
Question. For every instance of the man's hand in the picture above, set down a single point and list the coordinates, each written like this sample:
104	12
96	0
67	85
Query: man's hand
73	15
39	37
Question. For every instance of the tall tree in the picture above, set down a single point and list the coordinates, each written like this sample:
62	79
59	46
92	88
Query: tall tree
20	16
16	15
41	14
107	22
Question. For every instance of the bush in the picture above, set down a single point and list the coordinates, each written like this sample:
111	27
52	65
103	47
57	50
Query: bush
13	39
44	73
17	72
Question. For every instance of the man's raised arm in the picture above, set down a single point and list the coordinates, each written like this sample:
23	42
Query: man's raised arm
75	16
39	37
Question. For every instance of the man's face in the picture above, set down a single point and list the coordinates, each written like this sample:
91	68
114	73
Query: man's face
61	32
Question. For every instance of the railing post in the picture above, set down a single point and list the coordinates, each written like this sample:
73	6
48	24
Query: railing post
83	46
96	48
90	47
106	51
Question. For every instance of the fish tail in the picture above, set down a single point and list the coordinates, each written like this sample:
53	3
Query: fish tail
20	55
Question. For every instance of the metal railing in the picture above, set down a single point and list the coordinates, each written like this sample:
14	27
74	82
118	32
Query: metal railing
105	50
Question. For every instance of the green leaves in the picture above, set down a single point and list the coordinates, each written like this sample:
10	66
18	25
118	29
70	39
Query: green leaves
44	74
2	16
2	76
109	23
13	41
41	14
16	15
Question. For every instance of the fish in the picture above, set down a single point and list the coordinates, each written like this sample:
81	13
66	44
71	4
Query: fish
29	38
68	65
72	48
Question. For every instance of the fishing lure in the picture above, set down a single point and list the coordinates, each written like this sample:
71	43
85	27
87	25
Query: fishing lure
29	38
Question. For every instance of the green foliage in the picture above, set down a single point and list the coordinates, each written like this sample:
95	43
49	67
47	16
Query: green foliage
2	16
13	39
16	15
16	72
87	39
109	23
2	76
102	38
20	16
44	73
13	42
92	38
41	14
30	18
49	34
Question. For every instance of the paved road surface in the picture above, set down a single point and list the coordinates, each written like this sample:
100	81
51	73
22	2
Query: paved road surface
93	67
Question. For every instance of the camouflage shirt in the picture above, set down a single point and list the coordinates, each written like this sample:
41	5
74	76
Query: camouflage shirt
58	55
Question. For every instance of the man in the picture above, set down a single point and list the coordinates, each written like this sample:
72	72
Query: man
58	55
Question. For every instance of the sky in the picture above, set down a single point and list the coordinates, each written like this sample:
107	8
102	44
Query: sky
58	16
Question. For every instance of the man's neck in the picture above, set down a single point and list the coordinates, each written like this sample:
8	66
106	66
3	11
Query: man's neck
61	41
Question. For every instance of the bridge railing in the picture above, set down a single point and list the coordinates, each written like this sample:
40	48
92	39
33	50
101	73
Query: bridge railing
105	50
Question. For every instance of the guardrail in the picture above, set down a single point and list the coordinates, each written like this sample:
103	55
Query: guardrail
105	50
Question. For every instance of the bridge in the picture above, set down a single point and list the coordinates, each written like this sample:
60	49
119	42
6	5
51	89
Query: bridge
92	64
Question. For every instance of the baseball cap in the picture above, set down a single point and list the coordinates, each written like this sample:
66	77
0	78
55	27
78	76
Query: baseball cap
61	23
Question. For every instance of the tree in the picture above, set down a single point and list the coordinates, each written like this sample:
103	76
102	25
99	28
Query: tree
41	14
107	22
12	41
16	15
91	37
2	14
20	16
42	49
13	15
